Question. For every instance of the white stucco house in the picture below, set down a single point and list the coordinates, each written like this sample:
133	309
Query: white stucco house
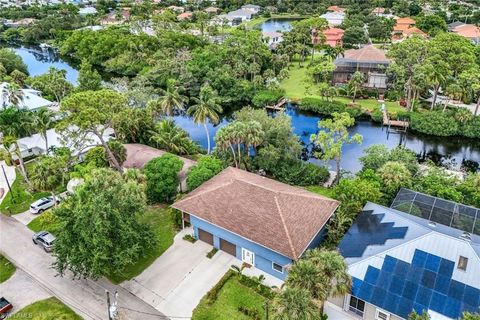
334	18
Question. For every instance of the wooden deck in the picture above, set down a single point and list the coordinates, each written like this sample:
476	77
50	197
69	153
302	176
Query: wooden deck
279	106
394	123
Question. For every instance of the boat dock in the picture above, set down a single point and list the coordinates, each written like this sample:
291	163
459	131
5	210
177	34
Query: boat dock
279	106
398	125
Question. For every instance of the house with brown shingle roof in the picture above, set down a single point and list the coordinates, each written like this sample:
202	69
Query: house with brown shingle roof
262	222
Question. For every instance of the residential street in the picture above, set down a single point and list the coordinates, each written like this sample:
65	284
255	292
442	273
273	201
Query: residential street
85	297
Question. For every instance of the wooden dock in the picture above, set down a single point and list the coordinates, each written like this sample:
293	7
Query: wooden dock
279	106
398	124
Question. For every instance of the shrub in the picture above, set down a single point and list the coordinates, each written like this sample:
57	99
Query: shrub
189	238
255	284
435	123
266	97
377	116
206	168
471	128
327	107
250	313
162	177
211	253
299	173
211	296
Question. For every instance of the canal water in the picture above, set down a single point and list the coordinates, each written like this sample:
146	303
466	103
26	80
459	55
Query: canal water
452	152
277	24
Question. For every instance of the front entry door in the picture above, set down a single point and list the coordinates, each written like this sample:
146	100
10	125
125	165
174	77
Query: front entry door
248	257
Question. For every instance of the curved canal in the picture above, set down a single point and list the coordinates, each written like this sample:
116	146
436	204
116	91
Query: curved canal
452	152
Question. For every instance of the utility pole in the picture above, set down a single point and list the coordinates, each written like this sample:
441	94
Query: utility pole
108	305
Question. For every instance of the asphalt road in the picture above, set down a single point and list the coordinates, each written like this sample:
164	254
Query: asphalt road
84	296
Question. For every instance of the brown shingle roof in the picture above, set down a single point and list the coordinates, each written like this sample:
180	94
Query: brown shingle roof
367	53
273	214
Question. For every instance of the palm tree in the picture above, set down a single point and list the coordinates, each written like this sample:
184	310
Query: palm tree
167	135
169	100
323	273
355	84
206	107
14	124
12	94
43	120
294	304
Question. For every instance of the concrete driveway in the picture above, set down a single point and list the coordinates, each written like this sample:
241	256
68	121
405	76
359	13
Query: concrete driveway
86	297
180	277
21	290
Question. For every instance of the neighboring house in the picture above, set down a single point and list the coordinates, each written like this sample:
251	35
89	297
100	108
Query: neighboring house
87	10
28	98
20	23
244	15
424	261
35	145
264	223
252	7
334	18
138	155
185	16
272	38
455	24
110	19
333	37
176	9
212	10
405	28
336	9
225	19
468	31
380	12
369	60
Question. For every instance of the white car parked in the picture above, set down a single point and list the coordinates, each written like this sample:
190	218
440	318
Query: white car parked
43	204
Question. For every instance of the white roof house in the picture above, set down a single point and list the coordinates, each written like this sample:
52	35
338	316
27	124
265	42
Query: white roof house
334	18
31	100
35	145
241	14
87	10
252	7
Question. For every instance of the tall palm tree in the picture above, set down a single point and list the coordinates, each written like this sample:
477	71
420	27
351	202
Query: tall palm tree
14	124
43	120
206	107
294	304
323	273
167	135
170	100
355	84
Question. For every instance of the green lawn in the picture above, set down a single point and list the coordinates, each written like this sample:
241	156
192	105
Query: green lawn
6	269
321	191
19	199
46	221
161	218
47	309
231	296
297	83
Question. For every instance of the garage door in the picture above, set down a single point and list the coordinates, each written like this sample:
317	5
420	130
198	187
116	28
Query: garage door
205	236
228	247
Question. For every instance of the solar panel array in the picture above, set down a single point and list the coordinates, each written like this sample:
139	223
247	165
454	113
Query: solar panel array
424	284
438	210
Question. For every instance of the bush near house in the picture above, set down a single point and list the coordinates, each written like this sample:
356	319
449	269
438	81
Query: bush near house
233	297
322	106
267	97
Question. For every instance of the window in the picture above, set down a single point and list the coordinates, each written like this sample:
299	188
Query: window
356	306
382	315
462	263
277	267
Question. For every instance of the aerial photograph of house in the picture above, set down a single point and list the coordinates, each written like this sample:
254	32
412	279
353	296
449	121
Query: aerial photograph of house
240	160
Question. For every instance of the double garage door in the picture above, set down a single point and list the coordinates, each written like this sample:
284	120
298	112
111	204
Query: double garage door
226	246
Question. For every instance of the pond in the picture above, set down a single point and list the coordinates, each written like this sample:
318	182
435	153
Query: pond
449	152
277	24
39	60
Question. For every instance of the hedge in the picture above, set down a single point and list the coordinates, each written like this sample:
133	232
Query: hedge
267	97
435	123
327	107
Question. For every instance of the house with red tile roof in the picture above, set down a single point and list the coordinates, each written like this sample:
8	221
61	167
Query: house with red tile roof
336	9
262	222
405	28
468	31
185	16
333	37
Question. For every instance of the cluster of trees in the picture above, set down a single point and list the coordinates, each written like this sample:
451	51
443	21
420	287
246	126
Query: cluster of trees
383	173
447	63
